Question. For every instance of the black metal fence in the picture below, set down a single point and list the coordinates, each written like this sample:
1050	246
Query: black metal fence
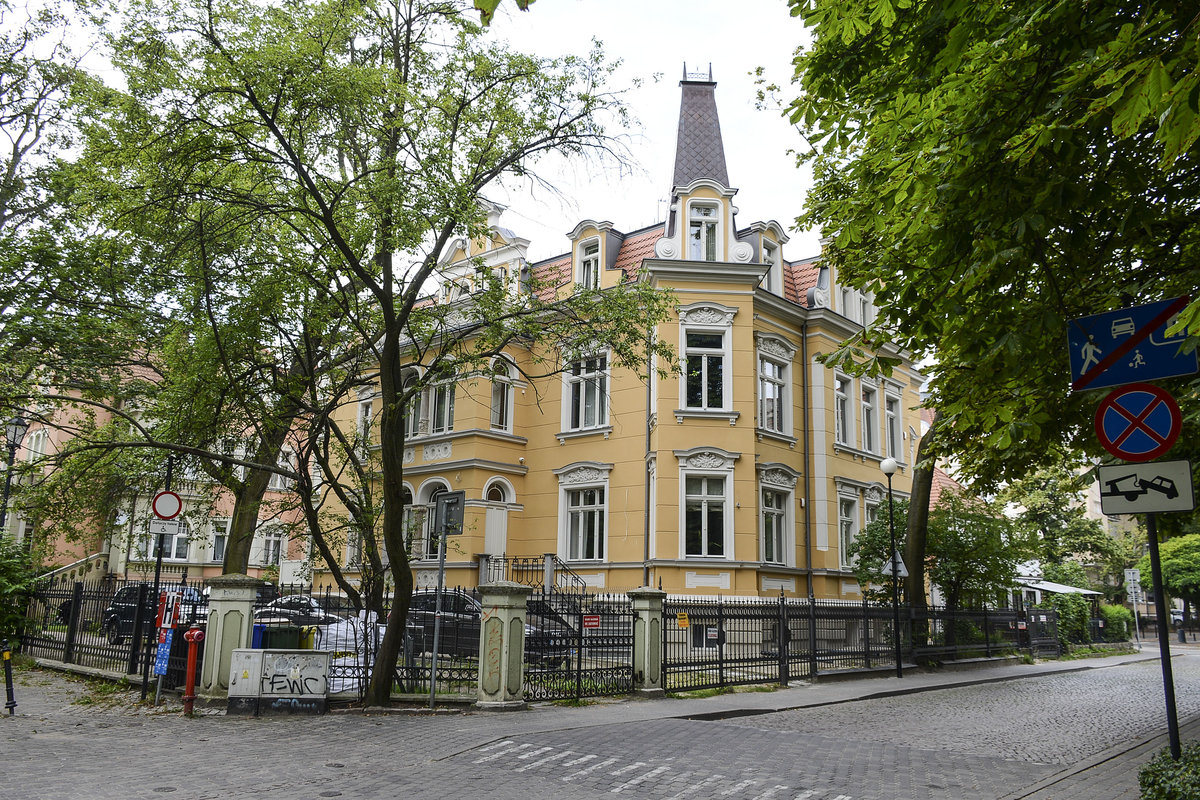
98	624
709	643
578	645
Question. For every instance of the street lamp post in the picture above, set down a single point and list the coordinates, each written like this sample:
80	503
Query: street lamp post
888	468
14	432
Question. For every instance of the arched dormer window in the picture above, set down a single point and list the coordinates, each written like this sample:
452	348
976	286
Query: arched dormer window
703	231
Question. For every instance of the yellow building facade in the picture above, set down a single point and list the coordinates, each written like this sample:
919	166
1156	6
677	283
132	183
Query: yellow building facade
746	473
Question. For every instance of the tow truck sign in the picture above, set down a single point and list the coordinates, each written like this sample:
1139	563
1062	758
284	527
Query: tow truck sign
1149	488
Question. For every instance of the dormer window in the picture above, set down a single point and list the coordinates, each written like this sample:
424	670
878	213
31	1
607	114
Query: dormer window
702	233
770	257
589	266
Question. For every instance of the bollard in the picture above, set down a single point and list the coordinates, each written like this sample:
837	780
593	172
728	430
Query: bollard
11	705
193	637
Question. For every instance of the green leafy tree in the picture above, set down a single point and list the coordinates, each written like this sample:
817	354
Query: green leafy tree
341	149
1180	560
1049	509
871	554
16	584
991	170
974	550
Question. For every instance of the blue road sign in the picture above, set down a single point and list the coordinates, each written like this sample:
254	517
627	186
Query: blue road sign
1127	345
163	652
1139	422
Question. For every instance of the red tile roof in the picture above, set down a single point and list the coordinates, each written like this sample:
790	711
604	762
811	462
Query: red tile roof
636	247
942	482
798	278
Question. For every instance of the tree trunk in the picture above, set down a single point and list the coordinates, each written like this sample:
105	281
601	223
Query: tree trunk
391	430
917	535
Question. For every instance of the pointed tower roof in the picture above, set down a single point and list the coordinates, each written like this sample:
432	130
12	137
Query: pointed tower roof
699	151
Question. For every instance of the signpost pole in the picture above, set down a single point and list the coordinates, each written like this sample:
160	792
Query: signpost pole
157	580
1164	638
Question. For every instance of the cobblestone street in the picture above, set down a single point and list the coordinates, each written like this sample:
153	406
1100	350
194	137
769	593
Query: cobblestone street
1050	732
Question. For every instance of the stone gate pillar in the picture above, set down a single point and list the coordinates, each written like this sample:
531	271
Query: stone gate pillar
230	627
647	640
502	646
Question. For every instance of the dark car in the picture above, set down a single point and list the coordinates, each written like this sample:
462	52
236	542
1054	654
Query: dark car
118	620
295	609
548	638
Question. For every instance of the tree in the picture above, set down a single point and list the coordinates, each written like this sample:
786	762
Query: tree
1180	560
342	147
991	170
1048	508
974	550
871	554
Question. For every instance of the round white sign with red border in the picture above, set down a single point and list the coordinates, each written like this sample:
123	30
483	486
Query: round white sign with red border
167	505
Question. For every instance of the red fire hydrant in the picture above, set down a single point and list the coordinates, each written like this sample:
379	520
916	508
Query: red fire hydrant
193	637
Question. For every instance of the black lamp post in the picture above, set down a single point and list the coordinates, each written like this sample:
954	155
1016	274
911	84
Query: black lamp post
889	467
14	432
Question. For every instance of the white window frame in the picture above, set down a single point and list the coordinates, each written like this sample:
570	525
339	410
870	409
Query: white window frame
220	535
441	407
414	408
891	426
707	356
780	481
582	477
589	264
272	546
587	515
772	279
849	526
869	408
775	352
843	420
502	395
705	232
354	545
704	499
282	483
590	383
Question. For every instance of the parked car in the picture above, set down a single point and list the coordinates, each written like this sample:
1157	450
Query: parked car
548	638
118	620
1176	616
295	609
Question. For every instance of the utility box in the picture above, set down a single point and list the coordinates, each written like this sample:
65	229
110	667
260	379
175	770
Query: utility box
278	682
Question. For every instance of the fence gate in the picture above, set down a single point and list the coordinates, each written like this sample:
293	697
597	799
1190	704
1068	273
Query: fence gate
578	645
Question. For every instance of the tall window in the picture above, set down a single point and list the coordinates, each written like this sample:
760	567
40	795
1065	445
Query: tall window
771	394
441	412
585	523
412	406
869	420
354	542
272	547
705	369
502	395
587	393
770	257
891	412
702	233
847	528
704	515
281	483
773	521
589	266
841	409
220	539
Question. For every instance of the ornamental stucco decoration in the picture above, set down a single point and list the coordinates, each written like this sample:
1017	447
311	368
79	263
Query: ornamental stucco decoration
707	460
583	475
773	345
666	248
438	450
741	252
777	477
874	494
410	455
706	315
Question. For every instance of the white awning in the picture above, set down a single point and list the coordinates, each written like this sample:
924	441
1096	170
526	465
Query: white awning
1055	588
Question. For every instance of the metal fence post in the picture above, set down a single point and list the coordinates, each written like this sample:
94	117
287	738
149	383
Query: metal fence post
579	655
866	635
135	645
720	642
73	622
784	639
987	634
812	638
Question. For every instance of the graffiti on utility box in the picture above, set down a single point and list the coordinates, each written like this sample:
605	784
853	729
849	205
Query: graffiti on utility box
294	674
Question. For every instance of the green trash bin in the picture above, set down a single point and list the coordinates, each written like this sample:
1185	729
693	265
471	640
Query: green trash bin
282	637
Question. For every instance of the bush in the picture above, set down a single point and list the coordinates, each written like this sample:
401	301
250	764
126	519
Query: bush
1164	778
1118	623
1074	618
16	583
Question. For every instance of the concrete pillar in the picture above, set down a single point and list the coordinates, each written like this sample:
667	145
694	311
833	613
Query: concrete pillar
502	646
230	627
647	640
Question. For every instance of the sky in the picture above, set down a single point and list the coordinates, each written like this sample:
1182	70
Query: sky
659	36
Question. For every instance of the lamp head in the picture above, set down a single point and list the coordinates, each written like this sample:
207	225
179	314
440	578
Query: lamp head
14	431
889	466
